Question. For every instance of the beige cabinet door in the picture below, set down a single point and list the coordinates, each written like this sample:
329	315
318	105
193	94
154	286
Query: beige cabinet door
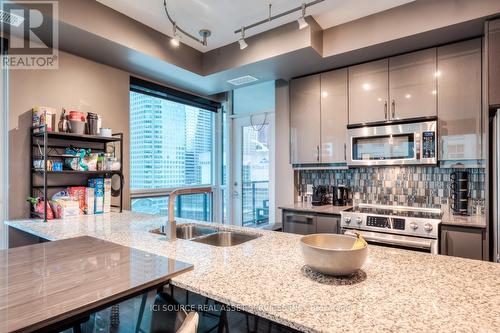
412	85
305	117
368	92
334	113
459	100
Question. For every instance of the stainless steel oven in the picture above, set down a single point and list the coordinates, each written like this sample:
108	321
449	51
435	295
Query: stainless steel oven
407	142
395	226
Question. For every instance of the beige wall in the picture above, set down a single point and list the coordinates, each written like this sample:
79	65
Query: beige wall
77	84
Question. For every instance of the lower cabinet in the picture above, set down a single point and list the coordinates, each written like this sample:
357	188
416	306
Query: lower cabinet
462	242
309	223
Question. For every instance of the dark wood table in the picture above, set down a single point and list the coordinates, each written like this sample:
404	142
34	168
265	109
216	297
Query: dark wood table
50	285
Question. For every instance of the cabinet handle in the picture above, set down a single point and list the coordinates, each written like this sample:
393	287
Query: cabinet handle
317	153
345	152
300	219
393	105
385	109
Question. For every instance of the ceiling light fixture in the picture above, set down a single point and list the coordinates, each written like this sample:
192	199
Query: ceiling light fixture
243	44
302	20
175	41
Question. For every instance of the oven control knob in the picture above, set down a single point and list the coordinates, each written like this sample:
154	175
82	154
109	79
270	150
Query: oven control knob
347	219
359	220
414	225
428	227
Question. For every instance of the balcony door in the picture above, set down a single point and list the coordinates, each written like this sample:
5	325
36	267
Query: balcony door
253	167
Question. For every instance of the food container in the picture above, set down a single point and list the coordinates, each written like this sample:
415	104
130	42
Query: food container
76	115
77	127
92	122
44	115
38	164
333	254
57	166
105	132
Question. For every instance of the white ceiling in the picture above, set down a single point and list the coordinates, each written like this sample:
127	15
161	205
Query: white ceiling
223	17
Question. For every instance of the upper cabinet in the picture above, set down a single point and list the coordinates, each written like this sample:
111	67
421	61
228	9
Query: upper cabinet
334	116
444	82
368	94
459	102
305	117
318	117
412	85
494	62
400	87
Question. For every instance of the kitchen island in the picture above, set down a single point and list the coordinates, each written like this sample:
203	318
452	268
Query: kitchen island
397	290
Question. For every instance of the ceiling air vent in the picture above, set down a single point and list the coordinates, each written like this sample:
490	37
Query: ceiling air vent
14	20
242	80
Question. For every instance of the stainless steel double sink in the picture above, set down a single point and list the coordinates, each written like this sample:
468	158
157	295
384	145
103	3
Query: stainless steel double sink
209	235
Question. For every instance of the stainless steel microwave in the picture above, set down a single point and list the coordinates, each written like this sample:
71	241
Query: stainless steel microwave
393	143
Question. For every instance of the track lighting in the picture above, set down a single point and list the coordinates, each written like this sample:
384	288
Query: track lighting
302	21
176	38
175	41
243	44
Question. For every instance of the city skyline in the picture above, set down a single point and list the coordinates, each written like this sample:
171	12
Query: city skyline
171	145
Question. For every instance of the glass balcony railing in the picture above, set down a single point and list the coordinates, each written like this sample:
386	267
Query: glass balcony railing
192	206
255	202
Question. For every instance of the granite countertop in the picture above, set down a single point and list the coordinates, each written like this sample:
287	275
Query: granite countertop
308	207
397	290
474	221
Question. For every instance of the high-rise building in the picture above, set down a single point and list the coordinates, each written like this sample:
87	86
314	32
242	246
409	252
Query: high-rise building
171	146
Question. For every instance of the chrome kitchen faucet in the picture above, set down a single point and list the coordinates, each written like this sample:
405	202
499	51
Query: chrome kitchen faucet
171	226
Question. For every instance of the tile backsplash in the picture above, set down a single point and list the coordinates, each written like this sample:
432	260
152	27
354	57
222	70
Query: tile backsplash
409	186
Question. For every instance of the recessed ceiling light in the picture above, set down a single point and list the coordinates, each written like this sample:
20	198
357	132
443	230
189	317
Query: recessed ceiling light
242	80
366	86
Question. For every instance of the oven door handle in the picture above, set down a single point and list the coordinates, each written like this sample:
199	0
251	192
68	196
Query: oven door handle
418	243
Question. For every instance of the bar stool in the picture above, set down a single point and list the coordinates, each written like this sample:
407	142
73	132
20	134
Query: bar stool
177	321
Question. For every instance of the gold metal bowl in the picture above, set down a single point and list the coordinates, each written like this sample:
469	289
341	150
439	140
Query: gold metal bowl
332	254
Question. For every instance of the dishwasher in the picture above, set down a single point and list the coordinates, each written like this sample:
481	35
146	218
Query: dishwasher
305	224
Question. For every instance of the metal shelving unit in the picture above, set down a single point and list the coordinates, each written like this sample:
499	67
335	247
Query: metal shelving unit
49	145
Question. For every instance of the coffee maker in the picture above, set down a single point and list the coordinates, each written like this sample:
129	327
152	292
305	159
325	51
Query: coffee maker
320	195
340	195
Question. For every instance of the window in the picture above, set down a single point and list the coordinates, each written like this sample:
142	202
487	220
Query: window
171	146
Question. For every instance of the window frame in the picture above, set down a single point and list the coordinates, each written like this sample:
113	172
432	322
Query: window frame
162	92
